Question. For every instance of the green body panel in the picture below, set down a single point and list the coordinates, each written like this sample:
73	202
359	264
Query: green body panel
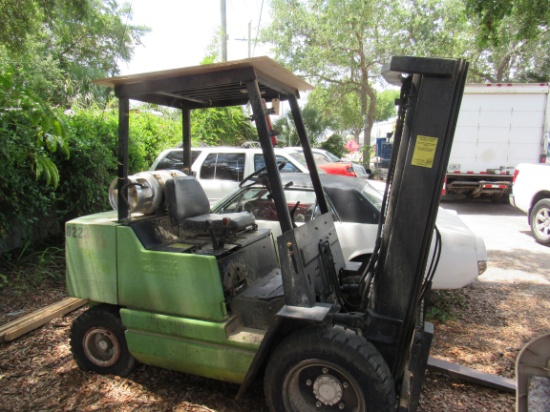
90	245
175	283
172	303
188	345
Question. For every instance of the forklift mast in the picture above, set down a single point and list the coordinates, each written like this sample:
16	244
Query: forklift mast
431	91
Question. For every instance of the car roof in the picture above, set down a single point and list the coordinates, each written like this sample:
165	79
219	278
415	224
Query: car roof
301	149
229	149
303	181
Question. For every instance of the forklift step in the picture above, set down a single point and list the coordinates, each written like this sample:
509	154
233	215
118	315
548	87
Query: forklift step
257	305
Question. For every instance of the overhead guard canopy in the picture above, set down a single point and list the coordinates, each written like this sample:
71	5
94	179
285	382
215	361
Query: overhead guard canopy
211	85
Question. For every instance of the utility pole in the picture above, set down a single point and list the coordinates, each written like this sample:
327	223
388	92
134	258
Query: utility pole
224	30
249	39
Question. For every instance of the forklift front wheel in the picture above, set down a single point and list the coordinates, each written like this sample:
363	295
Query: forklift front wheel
98	343
325	368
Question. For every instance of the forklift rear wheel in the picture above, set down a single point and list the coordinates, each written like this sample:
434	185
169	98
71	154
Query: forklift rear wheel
98	343
328	369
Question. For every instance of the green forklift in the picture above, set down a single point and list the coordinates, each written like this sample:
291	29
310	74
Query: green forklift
173	285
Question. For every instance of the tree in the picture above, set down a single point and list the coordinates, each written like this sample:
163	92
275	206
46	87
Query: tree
316	125
49	52
513	40
341	108
221	126
29	128
531	18
342	43
58	47
335	145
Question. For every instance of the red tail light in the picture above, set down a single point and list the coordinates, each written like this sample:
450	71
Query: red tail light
516	173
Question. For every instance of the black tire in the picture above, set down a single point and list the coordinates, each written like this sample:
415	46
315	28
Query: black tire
540	222
98	343
325	368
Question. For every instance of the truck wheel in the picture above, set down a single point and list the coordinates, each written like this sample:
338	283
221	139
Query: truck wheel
540	222
98	343
325	368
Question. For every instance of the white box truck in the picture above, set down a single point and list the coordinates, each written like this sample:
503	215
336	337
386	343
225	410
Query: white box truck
499	126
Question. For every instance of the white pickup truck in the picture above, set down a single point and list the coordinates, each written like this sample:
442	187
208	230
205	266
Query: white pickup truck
531	194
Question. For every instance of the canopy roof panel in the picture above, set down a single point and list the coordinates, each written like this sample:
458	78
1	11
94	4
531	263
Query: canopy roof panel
212	85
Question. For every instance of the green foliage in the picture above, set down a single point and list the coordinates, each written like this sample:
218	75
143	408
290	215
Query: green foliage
340	46
93	142
30	267
530	17
341	109
58	47
151	131
30	127
84	177
341	106
316	125
221	126
49	52
445	305
385	104
335	145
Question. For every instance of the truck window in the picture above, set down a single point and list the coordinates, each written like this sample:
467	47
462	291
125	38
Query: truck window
174	160
224	166
259	162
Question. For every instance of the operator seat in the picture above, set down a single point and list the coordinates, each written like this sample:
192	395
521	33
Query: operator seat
189	208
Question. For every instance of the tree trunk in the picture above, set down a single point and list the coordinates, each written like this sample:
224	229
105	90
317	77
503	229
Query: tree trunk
368	106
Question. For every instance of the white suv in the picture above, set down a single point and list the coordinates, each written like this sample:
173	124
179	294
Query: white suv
220	169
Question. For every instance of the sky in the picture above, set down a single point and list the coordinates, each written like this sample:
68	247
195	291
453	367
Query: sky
182	30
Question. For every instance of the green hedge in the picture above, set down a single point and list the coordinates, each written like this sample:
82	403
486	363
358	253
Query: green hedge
57	166
84	175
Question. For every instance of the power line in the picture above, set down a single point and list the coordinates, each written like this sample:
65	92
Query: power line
258	29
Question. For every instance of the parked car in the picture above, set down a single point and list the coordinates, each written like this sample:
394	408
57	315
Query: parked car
330	163
220	169
531	194
355	204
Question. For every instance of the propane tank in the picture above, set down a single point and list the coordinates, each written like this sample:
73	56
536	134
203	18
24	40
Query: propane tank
145	191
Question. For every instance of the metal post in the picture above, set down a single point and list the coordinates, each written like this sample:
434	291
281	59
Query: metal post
269	156
186	119
313	173
123	130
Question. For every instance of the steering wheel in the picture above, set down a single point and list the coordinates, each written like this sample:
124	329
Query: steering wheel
255	176
247	207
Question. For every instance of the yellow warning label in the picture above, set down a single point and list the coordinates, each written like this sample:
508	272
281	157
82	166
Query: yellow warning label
424	151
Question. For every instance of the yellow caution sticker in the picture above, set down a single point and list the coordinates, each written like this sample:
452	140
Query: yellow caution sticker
424	151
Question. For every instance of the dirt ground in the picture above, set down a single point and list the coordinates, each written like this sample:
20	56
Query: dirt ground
482	326
486	327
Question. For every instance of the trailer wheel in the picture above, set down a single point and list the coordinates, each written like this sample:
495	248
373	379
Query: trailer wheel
98	343
325	368
540	222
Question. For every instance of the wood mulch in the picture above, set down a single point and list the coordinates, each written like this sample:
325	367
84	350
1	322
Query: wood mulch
489	324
